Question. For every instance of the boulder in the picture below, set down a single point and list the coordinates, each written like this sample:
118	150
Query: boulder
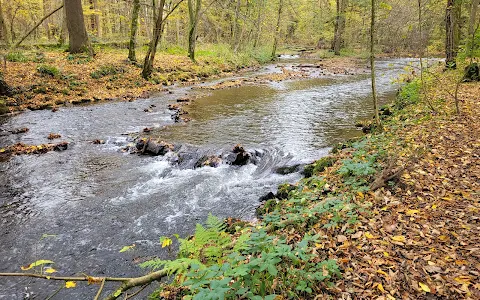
472	73
148	146
239	156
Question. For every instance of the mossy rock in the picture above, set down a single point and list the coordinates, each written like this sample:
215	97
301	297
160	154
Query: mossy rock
3	107
319	166
284	190
267	207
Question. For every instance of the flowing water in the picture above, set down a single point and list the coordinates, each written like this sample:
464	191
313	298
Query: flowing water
81	206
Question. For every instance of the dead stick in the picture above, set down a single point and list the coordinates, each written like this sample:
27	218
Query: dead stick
64	278
133	282
97	296
36	25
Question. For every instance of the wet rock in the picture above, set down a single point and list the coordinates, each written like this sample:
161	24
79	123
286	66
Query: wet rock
55	109
239	156
288	169
267	197
213	161
184	100
147	130
20	130
53	136
148	110
148	146
98	142
61	146
174	106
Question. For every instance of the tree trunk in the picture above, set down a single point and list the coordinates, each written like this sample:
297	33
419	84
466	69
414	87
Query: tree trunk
133	31
450	47
46	23
277	29
78	38
340	22
3	27
235	24
473	17
372	63
64	30
193	13
152	49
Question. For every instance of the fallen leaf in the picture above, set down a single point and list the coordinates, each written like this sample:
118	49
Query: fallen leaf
424	287
70	284
37	263
399	238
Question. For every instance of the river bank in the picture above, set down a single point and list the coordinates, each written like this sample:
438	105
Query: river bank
49	79
387	216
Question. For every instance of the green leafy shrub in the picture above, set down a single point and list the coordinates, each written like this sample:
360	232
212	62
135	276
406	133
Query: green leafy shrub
48	70
16	57
106	71
256	265
408	95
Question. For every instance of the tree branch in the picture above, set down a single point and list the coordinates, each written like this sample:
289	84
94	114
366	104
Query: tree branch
64	278
36	26
133	282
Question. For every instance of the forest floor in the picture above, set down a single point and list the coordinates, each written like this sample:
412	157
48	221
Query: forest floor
417	234
53	78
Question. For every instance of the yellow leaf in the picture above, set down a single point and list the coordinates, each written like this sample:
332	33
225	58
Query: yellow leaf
70	284
380	288
412	212
50	270
434	206
369	235
382	272
399	238
127	248
166	242
424	287
36	264
386	254
390	297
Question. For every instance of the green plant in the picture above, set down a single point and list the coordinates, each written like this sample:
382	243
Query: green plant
48	70
106	70
16	57
409	94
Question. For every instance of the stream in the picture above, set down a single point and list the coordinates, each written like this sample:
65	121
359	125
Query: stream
79	207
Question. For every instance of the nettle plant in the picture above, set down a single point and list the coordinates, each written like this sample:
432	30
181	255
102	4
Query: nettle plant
251	264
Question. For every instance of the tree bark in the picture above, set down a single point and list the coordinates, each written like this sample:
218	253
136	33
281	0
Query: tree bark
3	27
473	17
78	38
152	49
193	13
277	29
133	31
450	47
46	24
340	22
372	63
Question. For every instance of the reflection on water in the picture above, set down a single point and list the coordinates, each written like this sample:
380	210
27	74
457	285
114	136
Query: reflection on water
96	199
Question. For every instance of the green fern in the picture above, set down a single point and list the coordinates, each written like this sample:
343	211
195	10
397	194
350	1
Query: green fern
180	265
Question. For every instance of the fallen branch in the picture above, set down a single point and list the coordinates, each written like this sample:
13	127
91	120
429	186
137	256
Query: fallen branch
65	278
387	174
128	283
139	281
36	26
